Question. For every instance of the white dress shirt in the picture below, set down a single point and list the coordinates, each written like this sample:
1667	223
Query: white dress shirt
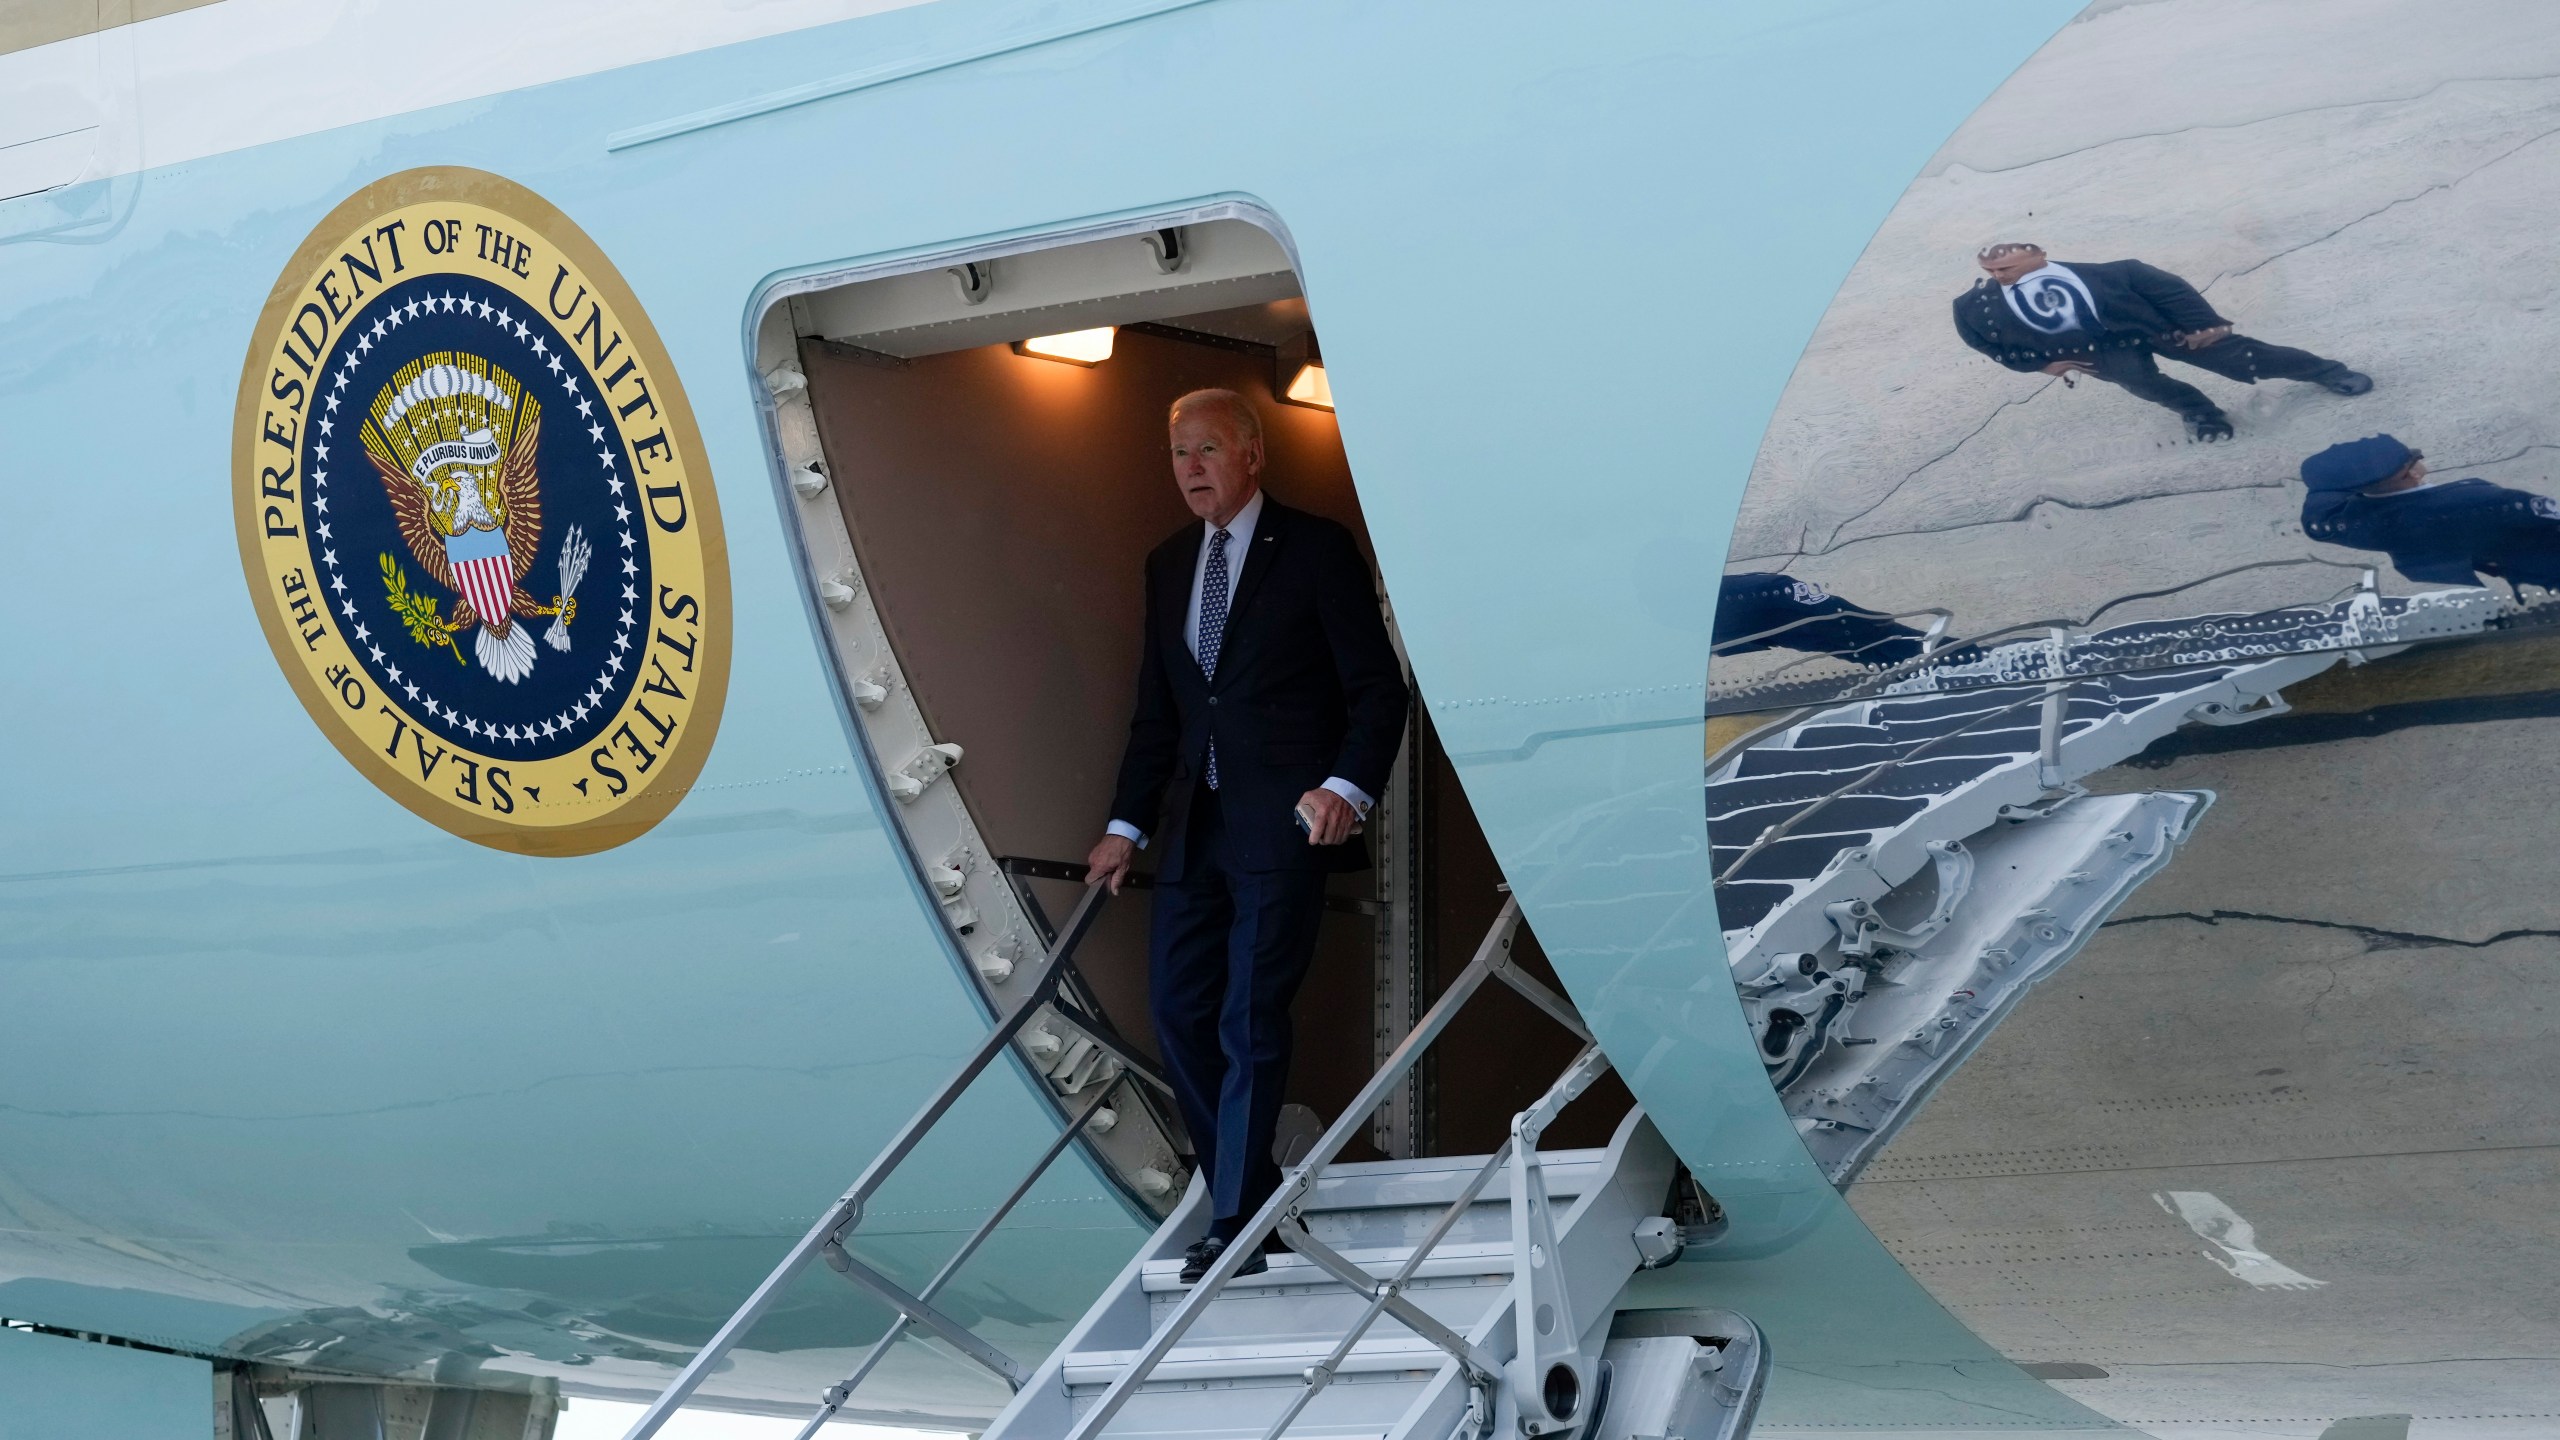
2053	299
1239	542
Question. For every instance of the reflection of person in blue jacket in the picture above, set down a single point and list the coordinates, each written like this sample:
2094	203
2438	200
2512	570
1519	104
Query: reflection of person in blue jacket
1759	610
2111	319
2374	494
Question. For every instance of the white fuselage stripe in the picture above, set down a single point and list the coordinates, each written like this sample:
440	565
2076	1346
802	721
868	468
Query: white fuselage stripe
244	73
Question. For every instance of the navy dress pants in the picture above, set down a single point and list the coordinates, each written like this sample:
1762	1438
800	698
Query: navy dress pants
2233	357
1225	956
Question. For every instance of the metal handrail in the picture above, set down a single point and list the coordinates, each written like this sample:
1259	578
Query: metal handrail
826	1237
1387	1296
843	1390
1074	872
1492	961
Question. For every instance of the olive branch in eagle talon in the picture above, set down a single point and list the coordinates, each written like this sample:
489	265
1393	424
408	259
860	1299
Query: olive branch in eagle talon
418	612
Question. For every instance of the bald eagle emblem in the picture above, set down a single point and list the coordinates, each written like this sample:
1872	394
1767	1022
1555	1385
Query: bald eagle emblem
453	438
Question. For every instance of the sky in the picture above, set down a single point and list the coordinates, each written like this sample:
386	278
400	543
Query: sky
608	1419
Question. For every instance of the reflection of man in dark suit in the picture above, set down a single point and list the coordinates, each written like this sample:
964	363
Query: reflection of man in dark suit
1270	707
2374	494
1763	610
2110	318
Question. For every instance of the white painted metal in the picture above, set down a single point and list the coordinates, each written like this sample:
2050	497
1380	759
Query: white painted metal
1898	944
1114	281
2045	885
251	72
1248	1354
1696	1374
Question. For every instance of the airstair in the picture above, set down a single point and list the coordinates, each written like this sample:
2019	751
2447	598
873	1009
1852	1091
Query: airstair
1895	868
1433	1299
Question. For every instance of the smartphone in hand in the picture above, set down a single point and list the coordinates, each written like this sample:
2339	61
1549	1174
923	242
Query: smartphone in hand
1307	822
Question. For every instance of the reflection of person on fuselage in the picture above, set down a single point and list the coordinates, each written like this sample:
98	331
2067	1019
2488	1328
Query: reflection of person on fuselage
2374	494
1762	610
2109	318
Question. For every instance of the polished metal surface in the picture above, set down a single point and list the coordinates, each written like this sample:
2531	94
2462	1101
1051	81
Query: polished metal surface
2156	951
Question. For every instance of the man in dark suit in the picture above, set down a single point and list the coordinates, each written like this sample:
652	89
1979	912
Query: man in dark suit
2110	318
1270	707
2375	494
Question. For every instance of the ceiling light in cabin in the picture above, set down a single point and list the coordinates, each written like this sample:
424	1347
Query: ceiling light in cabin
1309	387
1076	347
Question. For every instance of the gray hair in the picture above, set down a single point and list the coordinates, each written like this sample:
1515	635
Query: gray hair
1237	410
2006	247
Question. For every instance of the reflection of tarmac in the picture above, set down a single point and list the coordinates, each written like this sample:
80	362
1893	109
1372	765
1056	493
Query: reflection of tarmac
2376	181
2279	1145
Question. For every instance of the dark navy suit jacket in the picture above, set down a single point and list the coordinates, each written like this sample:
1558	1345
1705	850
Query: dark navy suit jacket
2446	533
1786	613
1307	688
2137	304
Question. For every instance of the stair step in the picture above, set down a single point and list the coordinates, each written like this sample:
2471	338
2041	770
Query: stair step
1434	1182
1287	1360
1486	1260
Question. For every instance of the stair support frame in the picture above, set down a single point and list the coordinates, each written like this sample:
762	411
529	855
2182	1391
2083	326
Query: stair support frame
1491	957
842	1216
1549	1335
842	1391
1481	1376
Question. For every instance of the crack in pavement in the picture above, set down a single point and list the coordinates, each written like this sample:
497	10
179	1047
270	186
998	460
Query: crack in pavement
2502	155
2028	508
2375	936
1832	539
2024	511
2516	454
2245	124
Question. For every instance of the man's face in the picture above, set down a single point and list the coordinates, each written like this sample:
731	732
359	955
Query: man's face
1216	467
2007	268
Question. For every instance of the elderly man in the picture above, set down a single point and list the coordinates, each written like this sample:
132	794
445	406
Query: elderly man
2374	494
2110	318
1270	707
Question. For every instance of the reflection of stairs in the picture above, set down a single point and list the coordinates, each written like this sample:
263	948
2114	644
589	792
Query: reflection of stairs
1895	872
1250	1353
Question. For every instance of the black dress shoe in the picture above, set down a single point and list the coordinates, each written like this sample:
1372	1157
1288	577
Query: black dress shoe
2209	427
1197	1260
2343	381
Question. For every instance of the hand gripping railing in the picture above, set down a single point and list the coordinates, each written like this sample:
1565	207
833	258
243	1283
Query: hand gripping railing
1534	1284
826	1238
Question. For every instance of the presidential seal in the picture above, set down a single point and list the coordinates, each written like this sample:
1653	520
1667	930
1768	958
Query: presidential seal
476	519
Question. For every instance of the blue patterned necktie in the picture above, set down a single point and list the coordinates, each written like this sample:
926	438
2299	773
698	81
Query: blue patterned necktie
1213	624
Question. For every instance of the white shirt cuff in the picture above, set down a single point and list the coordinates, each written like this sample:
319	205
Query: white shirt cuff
1358	797
1128	832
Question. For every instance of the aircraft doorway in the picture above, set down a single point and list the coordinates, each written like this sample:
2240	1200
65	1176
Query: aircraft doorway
976	514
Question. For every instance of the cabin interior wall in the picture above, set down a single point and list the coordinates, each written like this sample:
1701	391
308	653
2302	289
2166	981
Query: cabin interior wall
1002	507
